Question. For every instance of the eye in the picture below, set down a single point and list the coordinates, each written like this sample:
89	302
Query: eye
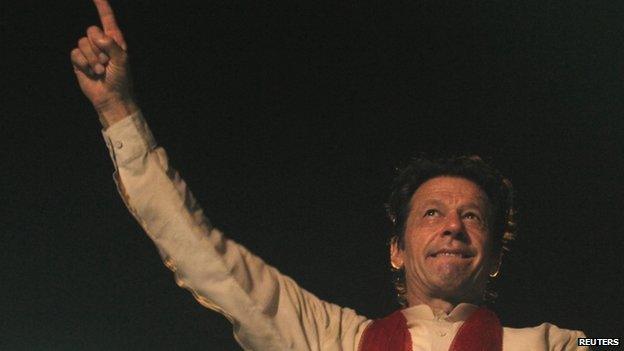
431	212
472	215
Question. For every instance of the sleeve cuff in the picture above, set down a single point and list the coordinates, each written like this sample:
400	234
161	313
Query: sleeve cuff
128	139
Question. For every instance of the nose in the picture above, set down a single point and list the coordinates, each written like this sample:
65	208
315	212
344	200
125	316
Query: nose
454	226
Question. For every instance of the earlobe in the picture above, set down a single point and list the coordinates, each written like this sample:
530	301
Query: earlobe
495	270
396	254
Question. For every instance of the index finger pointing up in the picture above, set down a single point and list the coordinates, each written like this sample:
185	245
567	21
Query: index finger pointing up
109	24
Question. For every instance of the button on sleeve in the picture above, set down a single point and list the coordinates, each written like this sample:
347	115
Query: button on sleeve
128	139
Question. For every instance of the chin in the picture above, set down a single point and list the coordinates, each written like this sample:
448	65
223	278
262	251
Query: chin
450	279
451	289
459	290
454	285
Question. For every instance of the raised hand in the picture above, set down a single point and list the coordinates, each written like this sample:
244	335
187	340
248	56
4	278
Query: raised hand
101	65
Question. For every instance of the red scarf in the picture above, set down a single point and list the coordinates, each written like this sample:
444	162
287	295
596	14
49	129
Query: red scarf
482	331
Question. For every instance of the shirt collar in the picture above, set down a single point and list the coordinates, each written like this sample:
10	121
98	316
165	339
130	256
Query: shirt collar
461	312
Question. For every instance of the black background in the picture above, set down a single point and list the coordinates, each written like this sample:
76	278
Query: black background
287	120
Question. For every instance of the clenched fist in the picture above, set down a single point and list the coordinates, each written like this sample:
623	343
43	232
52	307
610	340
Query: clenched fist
101	65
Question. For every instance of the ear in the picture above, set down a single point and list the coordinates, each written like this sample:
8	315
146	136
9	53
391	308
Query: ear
496	264
396	254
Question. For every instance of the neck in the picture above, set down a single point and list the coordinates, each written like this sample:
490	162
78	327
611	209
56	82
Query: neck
438	304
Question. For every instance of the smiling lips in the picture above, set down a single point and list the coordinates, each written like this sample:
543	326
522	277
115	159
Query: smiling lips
451	253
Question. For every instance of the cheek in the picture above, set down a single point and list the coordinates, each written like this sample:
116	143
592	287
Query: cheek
485	246
414	247
479	235
420	232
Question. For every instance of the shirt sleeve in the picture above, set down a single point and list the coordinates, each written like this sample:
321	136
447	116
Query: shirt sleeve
546	337
565	339
267	309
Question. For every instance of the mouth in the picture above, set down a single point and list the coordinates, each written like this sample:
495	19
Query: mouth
452	253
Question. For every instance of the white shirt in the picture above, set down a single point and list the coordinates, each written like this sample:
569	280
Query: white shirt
435	331
267	309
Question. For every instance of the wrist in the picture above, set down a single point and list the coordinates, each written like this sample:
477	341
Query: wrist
115	110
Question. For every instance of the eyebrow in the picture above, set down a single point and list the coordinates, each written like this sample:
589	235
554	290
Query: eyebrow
475	205
469	205
430	202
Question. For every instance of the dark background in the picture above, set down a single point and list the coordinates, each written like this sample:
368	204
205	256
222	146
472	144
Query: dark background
287	120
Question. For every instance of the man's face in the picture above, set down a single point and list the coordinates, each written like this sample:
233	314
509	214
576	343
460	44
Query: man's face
447	250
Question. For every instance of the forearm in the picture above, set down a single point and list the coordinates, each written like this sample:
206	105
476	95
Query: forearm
269	309
114	111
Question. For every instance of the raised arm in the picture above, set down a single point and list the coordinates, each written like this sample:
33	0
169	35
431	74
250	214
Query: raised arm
269	311
101	65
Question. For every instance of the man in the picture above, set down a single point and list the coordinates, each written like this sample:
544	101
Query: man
452	221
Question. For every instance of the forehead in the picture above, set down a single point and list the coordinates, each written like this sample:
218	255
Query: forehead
450	189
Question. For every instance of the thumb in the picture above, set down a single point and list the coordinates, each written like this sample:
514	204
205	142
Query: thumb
110	47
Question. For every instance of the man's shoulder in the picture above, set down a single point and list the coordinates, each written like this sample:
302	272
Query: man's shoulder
545	336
